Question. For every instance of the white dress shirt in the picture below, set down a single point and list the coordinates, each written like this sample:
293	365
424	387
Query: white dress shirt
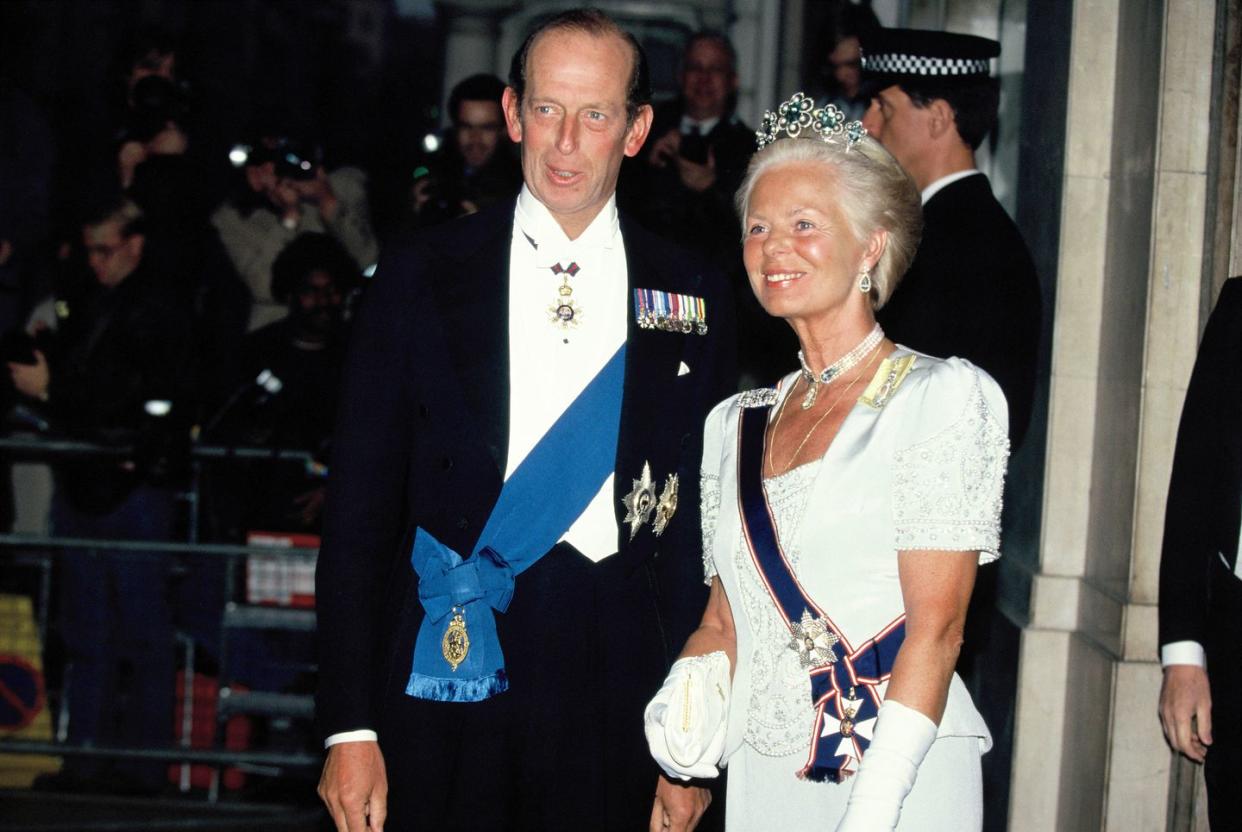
550	365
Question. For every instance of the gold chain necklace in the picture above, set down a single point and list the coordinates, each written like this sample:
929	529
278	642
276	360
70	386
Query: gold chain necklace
780	413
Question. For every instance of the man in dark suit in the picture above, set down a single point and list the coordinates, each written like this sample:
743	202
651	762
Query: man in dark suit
1200	572
682	185
475	347
971	291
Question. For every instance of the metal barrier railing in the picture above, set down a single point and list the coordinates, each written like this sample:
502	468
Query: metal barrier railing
22	448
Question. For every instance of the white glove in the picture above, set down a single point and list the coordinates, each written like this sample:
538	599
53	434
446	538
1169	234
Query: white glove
685	722
899	743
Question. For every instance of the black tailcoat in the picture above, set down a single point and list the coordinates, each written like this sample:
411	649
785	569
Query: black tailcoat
1200	593
972	292
422	441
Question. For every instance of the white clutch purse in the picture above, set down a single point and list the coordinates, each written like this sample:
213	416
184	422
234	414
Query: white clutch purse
685	722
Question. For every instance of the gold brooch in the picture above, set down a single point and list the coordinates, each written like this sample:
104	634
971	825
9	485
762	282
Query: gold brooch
456	642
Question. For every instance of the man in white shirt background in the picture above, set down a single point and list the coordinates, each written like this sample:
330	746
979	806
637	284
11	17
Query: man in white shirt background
1200	578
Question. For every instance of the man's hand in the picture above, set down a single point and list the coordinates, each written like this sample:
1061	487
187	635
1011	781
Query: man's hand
309	505
354	786
678	807
128	158
665	149
697	177
1186	710
171	141
318	192
34	379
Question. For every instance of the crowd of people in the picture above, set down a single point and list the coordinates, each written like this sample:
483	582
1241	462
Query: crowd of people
542	493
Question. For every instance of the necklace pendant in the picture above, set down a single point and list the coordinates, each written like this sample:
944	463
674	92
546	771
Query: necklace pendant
812	392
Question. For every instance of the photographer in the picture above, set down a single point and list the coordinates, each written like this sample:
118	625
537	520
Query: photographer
286	192
113	373
476	166
681	186
300	357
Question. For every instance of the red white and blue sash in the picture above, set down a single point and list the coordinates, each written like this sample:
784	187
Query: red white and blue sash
844	677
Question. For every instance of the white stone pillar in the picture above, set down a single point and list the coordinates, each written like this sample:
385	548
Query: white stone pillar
1088	753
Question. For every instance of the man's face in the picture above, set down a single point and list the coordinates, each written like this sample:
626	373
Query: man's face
111	255
845	61
572	123
707	79
317	302
477	131
895	122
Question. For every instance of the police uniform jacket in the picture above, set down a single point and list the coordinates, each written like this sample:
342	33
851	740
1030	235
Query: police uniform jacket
972	292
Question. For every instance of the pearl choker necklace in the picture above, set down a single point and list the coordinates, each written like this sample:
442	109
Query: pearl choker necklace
838	367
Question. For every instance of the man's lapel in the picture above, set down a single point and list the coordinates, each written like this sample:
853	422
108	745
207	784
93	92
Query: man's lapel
651	427
474	300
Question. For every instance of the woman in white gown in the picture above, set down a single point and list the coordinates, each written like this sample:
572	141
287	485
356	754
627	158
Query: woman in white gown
845	513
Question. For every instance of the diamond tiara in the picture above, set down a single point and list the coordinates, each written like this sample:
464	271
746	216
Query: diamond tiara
800	113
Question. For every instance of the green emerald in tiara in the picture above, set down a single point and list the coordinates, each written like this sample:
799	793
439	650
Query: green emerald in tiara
791	117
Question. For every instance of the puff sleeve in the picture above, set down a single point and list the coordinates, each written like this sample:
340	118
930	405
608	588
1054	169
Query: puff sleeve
947	485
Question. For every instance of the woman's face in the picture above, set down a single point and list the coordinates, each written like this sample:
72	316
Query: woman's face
800	254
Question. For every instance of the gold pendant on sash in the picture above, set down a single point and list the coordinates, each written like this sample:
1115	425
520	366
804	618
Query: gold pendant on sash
456	642
851	708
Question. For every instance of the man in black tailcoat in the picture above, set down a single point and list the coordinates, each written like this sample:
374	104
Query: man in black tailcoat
1200	572
971	291
472	342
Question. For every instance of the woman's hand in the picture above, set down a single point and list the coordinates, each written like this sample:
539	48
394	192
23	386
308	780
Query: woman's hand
936	589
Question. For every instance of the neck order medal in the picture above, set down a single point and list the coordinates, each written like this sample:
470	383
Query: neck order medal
564	311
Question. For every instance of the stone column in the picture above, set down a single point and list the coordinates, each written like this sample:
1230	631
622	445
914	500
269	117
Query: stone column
1088	749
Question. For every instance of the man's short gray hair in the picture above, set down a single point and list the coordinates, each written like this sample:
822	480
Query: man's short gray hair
873	191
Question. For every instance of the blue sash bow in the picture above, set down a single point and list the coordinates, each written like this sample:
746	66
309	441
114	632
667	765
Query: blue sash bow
538	503
843	689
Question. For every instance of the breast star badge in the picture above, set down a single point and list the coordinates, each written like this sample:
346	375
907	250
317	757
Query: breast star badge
813	641
640	502
666	505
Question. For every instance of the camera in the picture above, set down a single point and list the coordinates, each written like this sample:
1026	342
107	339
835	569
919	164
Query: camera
292	159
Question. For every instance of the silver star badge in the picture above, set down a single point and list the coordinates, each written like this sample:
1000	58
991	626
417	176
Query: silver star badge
813	641
666	506
640	502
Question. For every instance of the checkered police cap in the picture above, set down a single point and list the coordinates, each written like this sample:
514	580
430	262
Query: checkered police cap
911	57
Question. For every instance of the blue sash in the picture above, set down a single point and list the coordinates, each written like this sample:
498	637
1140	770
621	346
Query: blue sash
843	689
540	501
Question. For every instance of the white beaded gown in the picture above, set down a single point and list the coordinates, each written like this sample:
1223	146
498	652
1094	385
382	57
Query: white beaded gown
919	466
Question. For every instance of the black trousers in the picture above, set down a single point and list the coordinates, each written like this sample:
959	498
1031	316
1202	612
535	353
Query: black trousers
1223	766
563	748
